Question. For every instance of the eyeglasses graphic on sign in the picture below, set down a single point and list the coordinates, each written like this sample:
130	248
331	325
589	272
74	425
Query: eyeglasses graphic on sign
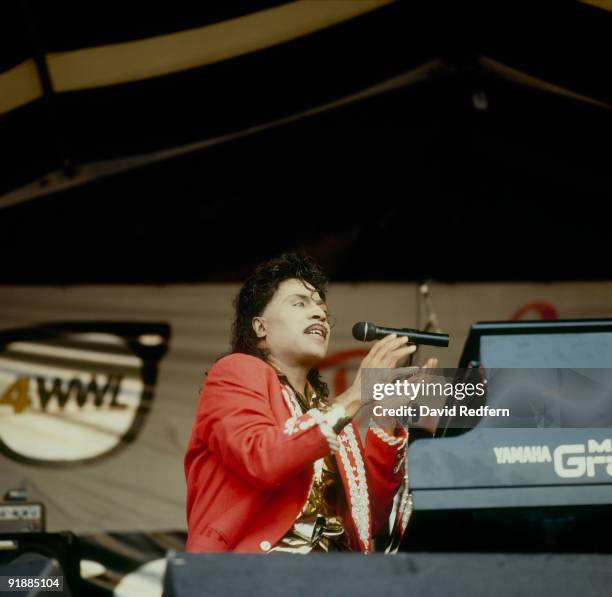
74	392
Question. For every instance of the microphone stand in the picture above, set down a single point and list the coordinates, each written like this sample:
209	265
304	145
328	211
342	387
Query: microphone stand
432	325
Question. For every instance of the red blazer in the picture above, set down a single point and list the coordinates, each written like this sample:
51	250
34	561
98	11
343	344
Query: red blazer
249	464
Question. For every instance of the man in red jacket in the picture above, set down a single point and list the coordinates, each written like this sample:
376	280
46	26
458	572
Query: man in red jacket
273	465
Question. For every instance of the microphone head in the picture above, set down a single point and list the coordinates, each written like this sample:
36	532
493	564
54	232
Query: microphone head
364	331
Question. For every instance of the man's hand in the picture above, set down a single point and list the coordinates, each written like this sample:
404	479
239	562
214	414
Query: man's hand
384	354
413	375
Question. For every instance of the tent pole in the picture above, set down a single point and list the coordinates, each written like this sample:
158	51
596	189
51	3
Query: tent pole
59	143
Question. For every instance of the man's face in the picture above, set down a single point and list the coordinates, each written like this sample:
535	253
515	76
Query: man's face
294	324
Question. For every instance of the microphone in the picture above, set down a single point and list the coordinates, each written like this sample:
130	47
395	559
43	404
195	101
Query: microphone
365	331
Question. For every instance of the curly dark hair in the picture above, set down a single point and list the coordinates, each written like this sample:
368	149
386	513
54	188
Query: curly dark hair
256	293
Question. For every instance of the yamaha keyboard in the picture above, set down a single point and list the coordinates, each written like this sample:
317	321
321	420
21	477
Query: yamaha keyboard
534	486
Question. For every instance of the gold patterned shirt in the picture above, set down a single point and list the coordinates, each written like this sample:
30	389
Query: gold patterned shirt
318	527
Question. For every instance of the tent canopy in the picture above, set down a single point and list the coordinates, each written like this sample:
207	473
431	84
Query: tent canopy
130	137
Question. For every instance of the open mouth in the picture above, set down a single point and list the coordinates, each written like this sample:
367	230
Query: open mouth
316	329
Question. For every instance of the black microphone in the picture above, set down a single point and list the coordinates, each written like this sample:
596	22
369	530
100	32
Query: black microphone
366	331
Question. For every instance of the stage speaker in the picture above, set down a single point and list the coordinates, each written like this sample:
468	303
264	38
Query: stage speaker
414	574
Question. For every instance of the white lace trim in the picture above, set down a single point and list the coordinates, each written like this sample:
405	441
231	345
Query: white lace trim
390	440
359	501
301	423
405	507
330	435
291	401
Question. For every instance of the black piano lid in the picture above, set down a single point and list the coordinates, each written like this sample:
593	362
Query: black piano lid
471	349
